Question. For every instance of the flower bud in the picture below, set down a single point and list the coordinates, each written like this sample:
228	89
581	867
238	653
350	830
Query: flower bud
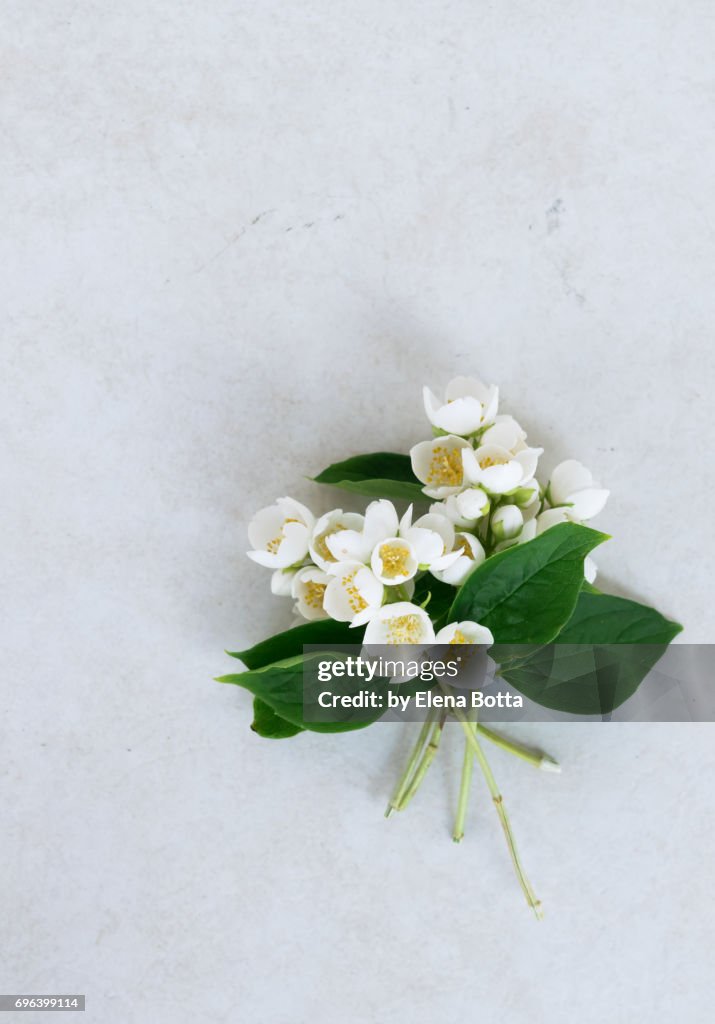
507	522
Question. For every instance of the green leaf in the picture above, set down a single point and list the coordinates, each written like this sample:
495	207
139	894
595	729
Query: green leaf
527	593
283	687
599	659
291	642
377	475
270	725
604	619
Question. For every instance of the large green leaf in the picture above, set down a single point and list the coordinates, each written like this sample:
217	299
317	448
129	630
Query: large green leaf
290	687
526	594
270	725
377	475
598	660
291	642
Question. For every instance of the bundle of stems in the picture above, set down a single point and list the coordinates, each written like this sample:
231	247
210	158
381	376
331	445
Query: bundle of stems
422	756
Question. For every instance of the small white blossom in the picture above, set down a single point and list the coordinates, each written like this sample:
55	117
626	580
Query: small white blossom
466	632
400	623
353	594
467	407
282	582
327	526
472	504
357	544
394	561
431	537
506	433
280	534
309	587
507	522
471	554
497	470
573	485
438	464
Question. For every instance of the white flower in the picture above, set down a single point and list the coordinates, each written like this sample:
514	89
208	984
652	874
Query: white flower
353	594
466	632
472	504
468	405
280	534
424	544
400	623
309	587
431	537
394	561
506	433
357	544
507	522
471	553
551	517
450	509
590	569
497	470
327	526
282	582
573	485
438	464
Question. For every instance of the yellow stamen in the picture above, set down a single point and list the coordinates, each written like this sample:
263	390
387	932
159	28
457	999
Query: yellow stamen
445	467
313	594
394	560
355	599
404	629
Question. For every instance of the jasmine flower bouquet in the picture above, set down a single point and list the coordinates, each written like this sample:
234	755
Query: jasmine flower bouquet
482	555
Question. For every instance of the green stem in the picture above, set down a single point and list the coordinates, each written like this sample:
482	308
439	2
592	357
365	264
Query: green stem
498	801
464	787
427	759
404	781
536	757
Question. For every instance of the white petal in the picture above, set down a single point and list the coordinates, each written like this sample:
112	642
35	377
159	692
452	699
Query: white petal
426	544
456	573
500	479
529	457
421	457
448	508
472	503
265	526
400	623
470	466
506	522
461	416
505	432
587	503
381	521
407	562
282	583
267	559
568	477
331	523
551	517
590	569
432	405
348	546
472	633
293	509
294	546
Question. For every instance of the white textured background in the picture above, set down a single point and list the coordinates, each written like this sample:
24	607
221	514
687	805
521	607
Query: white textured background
236	239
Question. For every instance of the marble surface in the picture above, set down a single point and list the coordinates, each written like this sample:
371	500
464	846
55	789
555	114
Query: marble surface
237	239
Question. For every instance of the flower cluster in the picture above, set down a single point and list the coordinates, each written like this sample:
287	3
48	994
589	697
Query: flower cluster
481	473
